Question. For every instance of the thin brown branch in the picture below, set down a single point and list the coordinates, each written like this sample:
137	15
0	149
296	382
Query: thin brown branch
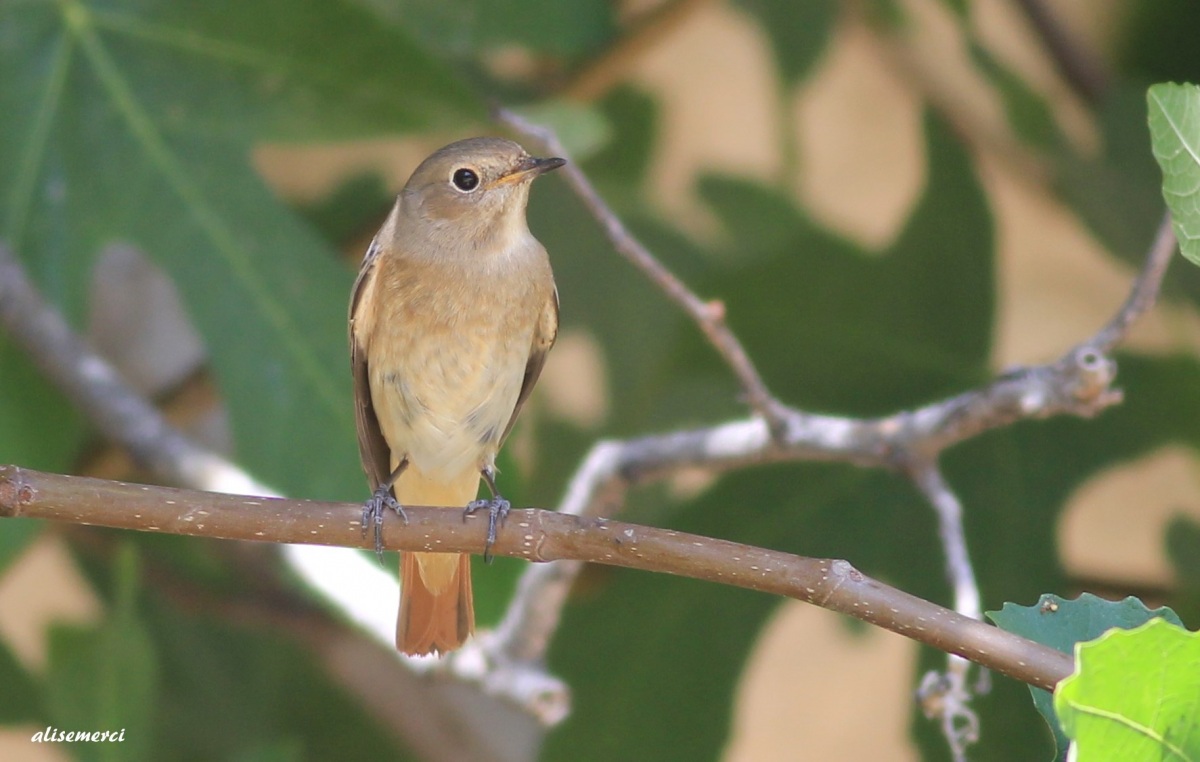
1145	289
535	536
601	75
1082	70
1079	383
709	316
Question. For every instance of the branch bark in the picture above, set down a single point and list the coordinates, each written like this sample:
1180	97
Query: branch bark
534	535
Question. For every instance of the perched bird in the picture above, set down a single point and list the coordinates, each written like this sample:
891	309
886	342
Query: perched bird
451	317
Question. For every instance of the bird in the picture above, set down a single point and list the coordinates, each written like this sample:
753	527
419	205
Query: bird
451	317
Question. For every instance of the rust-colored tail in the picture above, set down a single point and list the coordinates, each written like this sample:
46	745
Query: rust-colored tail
437	611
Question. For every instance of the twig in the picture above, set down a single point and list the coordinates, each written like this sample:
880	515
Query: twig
1083	72
536	536
945	695
600	75
1079	383
96	388
709	316
1145	289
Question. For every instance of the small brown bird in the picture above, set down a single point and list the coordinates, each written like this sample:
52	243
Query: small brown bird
451	318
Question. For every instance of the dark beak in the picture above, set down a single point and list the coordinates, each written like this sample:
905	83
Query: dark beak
529	168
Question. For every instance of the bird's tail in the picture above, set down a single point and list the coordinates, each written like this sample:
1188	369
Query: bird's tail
437	610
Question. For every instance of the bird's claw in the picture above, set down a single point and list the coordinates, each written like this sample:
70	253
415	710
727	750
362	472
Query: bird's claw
497	508
372	515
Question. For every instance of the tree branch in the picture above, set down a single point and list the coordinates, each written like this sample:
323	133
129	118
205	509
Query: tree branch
537	536
1079	383
709	316
1082	71
95	387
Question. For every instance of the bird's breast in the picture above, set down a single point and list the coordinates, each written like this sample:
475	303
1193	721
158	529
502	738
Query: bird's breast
447	358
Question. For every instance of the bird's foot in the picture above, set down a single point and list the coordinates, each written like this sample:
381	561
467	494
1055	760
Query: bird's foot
497	508
372	514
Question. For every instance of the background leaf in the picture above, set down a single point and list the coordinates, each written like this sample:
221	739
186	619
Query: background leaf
1175	136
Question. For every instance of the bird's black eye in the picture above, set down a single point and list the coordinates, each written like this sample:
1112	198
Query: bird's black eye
465	179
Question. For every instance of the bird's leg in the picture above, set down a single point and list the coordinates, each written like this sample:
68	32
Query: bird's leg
372	512
497	508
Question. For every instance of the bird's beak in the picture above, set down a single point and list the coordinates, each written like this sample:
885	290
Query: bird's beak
527	169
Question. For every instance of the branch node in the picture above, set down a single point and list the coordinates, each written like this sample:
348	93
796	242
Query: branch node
14	493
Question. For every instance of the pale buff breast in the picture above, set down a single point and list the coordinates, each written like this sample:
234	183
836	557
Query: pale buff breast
447	359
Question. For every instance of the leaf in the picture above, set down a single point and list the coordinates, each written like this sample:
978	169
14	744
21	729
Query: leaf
582	129
107	677
1118	193
1028	113
1175	138
619	168
1061	623
798	32
1135	695
17	535
922	310
135	123
566	28
40	427
262	690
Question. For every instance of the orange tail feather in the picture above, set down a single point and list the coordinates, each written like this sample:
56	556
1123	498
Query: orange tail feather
437	611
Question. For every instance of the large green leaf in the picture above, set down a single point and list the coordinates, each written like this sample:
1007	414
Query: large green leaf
1175	138
798	32
467	28
1135	695
134	121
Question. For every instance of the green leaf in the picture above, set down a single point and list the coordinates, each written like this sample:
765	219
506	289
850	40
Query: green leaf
260	688
1028	112
15	536
40	427
135	123
619	168
799	32
107	677
922	309
1175	138
1135	695
1061	623
960	7
1118	193
465	28
582	129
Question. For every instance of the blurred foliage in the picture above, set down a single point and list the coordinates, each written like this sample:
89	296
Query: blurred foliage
134	121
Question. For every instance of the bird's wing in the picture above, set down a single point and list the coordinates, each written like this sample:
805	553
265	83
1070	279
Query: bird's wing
372	447
544	334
